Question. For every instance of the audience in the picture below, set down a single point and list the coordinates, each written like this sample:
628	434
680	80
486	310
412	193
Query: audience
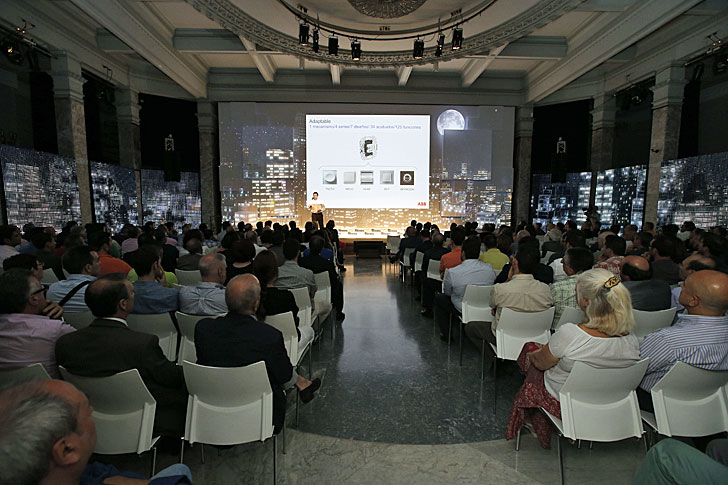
641	244
612	254
242	253
208	296
108	346
663	253
430	286
9	240
30	324
45	244
238	339
604	339
152	296
191	261
572	239
25	261
576	260
101	242
647	294
83	267
470	272
277	239
410	241
699	337
541	272
317	264
691	264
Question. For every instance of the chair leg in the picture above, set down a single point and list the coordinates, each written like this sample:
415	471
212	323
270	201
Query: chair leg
154	460
182	451
561	459
310	362
495	383
449	332
202	453
462	327
591	445
283	436
298	400
482	361
518	440
275	460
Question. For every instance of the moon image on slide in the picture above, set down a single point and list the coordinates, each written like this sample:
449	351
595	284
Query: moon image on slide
450	119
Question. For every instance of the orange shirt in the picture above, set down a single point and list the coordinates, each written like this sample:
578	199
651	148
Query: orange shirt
110	264
450	260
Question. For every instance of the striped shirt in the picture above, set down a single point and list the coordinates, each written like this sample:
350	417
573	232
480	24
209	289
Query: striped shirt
697	340
564	294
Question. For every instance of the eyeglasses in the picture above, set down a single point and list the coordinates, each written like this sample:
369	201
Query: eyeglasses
42	289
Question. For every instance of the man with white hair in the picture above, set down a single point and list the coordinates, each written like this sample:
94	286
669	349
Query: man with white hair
208	296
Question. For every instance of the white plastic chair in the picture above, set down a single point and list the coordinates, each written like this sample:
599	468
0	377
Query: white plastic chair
598	404
33	372
393	244
476	308
405	263
123	412
433	270
187	324
188	278
305	307
689	401
285	323
79	320
547	256
229	406
570	315
49	277
649	322
159	324
323	299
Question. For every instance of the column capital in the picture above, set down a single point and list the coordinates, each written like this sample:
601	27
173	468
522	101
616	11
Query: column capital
68	80
524	120
127	105
604	111
207	116
669	86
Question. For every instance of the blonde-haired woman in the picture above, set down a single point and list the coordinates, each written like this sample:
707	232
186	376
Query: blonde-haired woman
603	339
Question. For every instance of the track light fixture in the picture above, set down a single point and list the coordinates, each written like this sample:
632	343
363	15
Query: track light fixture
355	50
303	34
419	49
333	45
440	45
315	40
457	38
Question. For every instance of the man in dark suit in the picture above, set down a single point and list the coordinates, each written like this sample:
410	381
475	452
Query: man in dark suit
108	346
542	272
429	286
317	264
648	295
238	339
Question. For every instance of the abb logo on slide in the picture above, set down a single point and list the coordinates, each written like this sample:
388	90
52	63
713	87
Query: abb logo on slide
421	204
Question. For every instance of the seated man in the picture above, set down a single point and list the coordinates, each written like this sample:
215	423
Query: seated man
521	293
191	261
640	245
662	253
151	294
208	296
317	264
698	337
48	435
28	330
9	240
108	346
430	286
575	262
290	274
82	264
46	244
647	294
411	240
29	262
492	255
691	264
238	339
453	258
572	239
541	272
101	242
612	254
470	272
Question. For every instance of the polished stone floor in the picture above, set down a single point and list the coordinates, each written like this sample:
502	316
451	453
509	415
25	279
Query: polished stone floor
396	407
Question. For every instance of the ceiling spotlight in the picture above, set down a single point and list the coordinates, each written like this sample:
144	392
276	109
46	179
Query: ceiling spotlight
315	40
12	51
457	38
419	49
303	34
355	50
440	45
333	46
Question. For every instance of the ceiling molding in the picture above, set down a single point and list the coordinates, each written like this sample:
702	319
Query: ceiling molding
475	67
128	22
629	27
335	74
231	17
264	63
403	74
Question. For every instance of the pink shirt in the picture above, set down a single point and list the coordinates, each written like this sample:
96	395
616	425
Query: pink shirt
26	339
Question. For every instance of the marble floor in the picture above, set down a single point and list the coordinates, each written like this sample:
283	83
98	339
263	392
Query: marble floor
395	406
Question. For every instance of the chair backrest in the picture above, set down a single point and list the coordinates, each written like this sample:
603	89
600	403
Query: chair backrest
393	243
648	322
600	404
159	324
79	320
33	372
49	276
228	405
570	315
516	328
323	287
547	256
690	401
419	257
124	411
433	269
187	324
188	278
285	323
406	256
476	304
305	308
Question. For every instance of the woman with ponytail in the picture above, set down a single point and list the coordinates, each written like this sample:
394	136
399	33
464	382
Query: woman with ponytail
603	339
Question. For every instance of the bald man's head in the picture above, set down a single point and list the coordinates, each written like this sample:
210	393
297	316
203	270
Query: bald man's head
636	268
705	293
242	294
695	262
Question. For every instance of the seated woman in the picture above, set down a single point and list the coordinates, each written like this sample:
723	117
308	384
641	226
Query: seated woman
242	253
274	301
603	339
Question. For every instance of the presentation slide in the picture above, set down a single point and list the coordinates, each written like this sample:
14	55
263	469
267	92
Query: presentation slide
369	161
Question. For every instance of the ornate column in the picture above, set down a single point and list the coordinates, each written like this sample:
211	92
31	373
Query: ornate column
522	165
71	123
209	162
602	144
666	114
127	119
